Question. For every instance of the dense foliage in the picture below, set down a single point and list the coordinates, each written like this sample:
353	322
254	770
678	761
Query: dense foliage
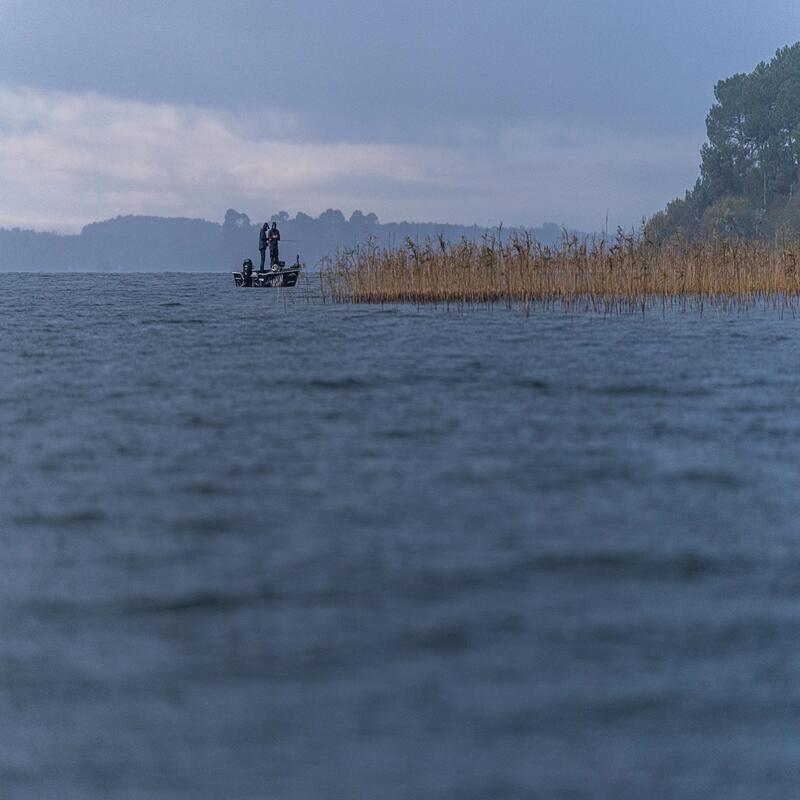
750	168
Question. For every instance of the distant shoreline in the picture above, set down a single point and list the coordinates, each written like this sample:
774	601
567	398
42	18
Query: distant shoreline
136	243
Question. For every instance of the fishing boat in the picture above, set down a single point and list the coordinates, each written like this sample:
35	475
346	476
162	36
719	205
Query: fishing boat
282	277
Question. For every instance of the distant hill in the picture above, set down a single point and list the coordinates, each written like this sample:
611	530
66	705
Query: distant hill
139	243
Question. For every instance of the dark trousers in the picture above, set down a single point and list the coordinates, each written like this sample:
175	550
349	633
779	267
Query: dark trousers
273	253
263	251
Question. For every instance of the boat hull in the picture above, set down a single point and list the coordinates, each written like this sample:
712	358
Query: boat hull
279	279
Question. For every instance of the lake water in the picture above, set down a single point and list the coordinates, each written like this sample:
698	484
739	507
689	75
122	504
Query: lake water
258	547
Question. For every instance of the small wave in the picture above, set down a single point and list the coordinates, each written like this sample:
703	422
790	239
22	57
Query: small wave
451	638
173	322
415	434
203	488
750	383
680	565
143	606
196	421
710	477
332	384
339	384
603	710
763	408
650	390
82	517
205	525
532	383
600	564
198	601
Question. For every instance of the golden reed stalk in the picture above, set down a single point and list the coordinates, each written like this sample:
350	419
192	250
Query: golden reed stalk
628	274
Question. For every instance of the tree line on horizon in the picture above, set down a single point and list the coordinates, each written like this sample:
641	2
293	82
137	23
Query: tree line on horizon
145	243
749	184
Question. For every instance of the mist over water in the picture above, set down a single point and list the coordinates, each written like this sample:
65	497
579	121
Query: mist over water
252	546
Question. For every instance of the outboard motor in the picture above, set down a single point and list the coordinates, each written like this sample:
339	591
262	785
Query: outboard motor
247	272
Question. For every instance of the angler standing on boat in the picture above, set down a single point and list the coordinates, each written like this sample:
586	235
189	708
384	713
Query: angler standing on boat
274	237
262	244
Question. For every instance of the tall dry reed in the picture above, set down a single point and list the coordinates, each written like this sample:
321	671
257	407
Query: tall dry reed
628	274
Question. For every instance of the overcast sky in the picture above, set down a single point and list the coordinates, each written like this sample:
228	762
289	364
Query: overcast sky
471	112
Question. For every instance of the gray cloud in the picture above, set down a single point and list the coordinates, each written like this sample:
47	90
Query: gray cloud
78	157
514	110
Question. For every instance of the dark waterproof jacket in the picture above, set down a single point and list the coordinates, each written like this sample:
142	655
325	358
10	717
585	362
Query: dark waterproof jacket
262	237
274	236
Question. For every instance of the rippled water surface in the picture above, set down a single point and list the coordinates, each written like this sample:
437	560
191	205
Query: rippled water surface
255	547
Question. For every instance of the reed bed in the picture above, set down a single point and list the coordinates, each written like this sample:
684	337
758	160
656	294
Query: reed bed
629	273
